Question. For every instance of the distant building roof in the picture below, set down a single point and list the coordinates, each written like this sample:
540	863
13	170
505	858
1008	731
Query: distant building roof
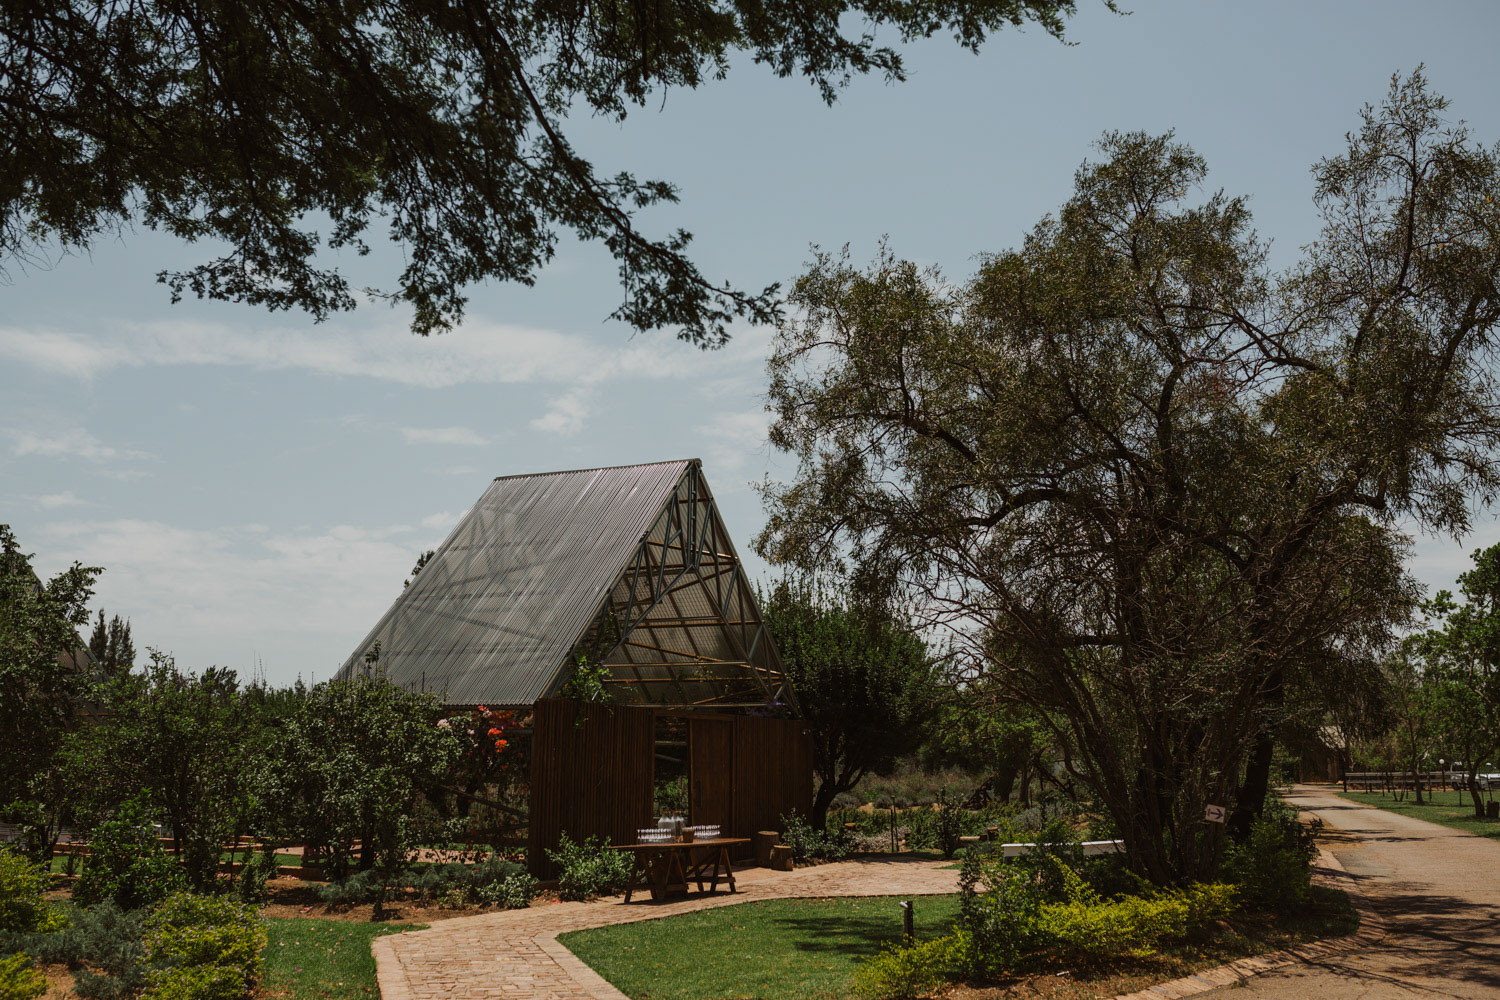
629	565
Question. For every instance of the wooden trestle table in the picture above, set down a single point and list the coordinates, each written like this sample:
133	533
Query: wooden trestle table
667	868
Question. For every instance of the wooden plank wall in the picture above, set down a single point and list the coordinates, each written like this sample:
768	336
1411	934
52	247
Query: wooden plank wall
772	772
710	766
591	775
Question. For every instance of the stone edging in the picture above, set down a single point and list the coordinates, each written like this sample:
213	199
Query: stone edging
1372	928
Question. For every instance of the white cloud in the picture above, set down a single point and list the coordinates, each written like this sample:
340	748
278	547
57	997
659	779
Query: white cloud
303	595
441	521
565	414
70	442
444	435
52	501
479	353
730	439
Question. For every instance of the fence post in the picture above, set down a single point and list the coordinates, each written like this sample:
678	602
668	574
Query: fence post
908	928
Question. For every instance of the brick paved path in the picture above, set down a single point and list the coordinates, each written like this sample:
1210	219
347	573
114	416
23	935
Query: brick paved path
514	954
1439	892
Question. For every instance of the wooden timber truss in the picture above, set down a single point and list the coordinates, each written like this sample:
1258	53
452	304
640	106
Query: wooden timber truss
680	628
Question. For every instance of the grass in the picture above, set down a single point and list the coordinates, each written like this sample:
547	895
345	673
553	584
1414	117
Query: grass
1445	811
309	959
773	950
806	949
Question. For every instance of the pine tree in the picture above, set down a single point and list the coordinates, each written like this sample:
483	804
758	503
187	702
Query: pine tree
111	647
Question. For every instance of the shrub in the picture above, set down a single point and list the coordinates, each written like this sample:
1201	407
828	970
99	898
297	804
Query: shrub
22	909
999	911
589	869
1271	866
35	835
256	872
949	820
807	842
1110	877
187	930
514	892
102	944
195	982
18	980
908	971
361	887
126	863
1132	925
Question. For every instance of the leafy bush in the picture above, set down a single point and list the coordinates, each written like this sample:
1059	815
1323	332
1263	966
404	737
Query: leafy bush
256	872
361	887
949	820
999	912
514	892
206	930
1041	903
101	944
126	863
807	842
453	883
588	869
1110	877
22	908
18	980
35	834
1271	866
904	972
1132	925
195	982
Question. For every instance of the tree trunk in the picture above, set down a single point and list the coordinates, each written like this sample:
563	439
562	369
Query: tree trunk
1005	782
1251	801
821	801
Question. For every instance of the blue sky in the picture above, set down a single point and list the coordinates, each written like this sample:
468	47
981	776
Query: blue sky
257	486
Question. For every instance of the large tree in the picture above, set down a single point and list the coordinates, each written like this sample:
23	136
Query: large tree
279	132
1164	478
190	742
1461	668
41	678
865	682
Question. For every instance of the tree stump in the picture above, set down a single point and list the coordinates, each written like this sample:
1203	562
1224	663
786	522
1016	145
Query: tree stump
763	841
1492	809
781	858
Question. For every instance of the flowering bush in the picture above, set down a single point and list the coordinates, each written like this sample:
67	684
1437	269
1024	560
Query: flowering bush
491	756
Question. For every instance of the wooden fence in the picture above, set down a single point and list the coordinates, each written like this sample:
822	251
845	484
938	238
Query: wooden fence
593	773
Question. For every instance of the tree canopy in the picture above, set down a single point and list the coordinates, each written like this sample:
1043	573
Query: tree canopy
1143	477
40	662
277	132
865	682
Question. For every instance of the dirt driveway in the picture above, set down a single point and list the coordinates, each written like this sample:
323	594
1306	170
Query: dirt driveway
1439	890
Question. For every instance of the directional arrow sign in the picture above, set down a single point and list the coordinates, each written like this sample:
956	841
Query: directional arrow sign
1214	814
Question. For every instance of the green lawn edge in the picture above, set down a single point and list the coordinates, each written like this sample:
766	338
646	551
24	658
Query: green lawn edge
312	959
807	949
1445	811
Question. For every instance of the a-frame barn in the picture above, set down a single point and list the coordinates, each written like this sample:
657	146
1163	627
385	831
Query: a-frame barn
627	567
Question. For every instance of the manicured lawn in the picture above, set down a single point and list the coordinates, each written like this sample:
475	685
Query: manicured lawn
310	959
806	949
1445	810
775	950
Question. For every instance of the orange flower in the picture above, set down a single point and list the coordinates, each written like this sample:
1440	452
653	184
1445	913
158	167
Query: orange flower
494	731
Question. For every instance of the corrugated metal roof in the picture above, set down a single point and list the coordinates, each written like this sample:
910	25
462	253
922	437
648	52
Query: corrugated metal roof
494	613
